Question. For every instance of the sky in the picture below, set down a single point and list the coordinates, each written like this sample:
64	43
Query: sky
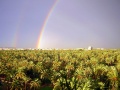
60	23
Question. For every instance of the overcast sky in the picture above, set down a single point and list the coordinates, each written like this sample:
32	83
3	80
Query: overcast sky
71	24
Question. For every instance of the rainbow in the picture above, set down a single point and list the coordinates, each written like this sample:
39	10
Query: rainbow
45	22
20	21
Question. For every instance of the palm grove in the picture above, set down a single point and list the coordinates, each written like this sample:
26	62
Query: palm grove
60	69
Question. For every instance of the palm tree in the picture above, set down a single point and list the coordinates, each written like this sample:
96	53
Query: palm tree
26	80
16	85
35	84
113	77
20	75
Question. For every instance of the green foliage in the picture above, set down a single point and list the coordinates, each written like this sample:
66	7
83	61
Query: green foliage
60	69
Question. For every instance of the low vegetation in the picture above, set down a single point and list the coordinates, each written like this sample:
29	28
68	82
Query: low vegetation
59	69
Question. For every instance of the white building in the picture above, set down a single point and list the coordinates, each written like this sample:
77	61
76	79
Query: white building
90	48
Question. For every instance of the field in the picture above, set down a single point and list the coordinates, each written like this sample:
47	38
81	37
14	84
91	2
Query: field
59	69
